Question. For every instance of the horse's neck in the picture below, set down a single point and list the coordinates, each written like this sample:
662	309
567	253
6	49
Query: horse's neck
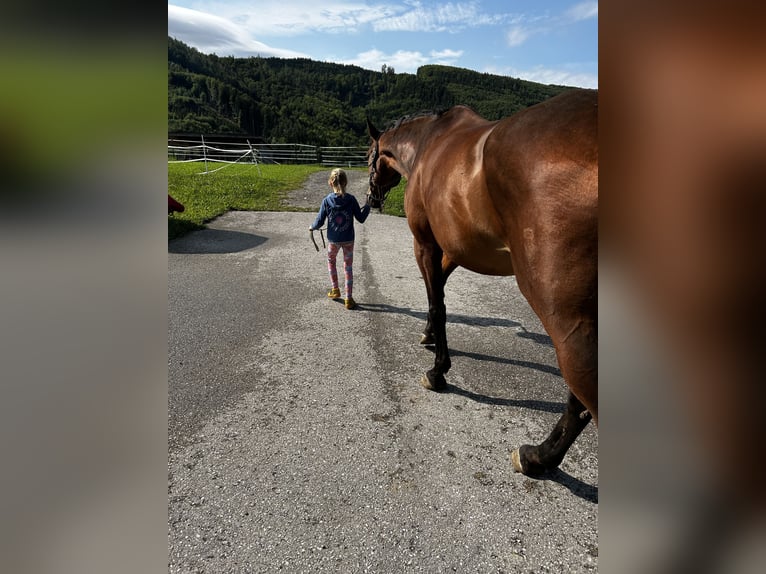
422	133
410	140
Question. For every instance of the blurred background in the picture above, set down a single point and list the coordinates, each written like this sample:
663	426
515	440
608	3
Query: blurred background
83	110
681	285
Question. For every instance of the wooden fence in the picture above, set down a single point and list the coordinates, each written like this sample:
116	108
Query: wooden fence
189	150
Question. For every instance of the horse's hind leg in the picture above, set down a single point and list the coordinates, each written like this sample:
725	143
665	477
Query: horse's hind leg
576	349
448	267
535	460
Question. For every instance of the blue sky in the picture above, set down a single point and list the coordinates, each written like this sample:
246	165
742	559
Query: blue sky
547	41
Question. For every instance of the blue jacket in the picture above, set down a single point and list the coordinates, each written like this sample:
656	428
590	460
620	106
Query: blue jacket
340	211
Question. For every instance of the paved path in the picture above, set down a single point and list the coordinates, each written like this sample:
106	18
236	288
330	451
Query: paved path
300	440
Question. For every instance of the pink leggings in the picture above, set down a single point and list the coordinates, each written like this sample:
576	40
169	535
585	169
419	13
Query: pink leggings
348	261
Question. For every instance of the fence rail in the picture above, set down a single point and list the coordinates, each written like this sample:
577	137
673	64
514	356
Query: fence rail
187	150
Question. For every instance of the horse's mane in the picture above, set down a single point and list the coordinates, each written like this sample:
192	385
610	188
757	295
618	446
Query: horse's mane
437	113
408	118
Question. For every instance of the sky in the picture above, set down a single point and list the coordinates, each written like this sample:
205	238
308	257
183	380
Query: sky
546	41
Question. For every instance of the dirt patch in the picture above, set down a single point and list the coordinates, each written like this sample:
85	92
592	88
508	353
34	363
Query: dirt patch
316	188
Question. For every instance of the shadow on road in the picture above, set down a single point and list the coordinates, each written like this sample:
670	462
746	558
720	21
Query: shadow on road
517	362
544	406
503	360
215	241
574	485
462	320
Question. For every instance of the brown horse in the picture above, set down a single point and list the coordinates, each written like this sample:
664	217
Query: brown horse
519	197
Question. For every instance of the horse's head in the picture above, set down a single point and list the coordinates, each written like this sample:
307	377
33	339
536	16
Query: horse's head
380	161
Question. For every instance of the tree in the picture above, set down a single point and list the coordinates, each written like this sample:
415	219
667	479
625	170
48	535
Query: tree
301	101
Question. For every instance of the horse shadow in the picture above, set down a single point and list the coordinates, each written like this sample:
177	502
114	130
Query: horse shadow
469	320
576	486
503	360
215	241
543	406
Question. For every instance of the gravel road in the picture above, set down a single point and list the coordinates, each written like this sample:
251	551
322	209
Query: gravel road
300	440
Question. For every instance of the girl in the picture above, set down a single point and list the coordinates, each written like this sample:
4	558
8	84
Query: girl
340	209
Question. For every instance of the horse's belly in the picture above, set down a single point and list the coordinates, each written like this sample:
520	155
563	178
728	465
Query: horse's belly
486	258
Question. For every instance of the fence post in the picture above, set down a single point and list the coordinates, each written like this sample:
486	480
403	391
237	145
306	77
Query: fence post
204	150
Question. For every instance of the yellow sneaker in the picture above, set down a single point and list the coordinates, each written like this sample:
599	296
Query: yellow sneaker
350	303
334	293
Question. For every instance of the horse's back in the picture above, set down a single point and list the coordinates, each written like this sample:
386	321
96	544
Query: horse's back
546	157
559	134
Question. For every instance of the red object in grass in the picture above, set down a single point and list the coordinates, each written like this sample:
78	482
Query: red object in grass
173	205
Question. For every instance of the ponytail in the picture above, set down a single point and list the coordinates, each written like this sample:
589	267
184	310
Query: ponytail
338	181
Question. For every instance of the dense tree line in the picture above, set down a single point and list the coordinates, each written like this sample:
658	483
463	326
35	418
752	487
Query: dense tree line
279	100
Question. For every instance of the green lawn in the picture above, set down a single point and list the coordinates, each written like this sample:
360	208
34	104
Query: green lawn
240	187
395	200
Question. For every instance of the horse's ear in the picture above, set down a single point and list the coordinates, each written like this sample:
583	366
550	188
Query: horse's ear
372	130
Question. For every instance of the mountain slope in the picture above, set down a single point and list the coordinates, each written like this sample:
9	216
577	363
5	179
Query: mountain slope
280	100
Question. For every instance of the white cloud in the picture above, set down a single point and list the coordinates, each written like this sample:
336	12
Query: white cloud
450	17
296	17
516	36
446	55
526	27
583	11
561	77
215	35
404	60
567	76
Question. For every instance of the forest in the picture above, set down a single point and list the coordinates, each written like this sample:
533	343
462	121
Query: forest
277	100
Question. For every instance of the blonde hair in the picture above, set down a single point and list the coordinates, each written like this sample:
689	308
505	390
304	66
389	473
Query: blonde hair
338	181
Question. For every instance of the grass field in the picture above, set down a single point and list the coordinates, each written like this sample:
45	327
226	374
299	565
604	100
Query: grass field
240	187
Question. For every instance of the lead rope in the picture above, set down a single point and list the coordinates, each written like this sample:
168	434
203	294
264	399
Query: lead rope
324	245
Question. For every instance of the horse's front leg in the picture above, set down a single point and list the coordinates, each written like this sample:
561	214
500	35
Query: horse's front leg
448	267
429	258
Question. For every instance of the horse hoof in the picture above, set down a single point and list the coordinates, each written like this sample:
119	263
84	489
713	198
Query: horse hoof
427	339
516	461
524	460
436	384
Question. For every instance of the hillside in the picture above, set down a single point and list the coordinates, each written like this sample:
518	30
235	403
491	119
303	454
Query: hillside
278	100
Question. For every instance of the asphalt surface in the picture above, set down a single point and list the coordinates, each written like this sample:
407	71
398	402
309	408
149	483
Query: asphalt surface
301	441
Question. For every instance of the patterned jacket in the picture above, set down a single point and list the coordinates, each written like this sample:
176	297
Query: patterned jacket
340	211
